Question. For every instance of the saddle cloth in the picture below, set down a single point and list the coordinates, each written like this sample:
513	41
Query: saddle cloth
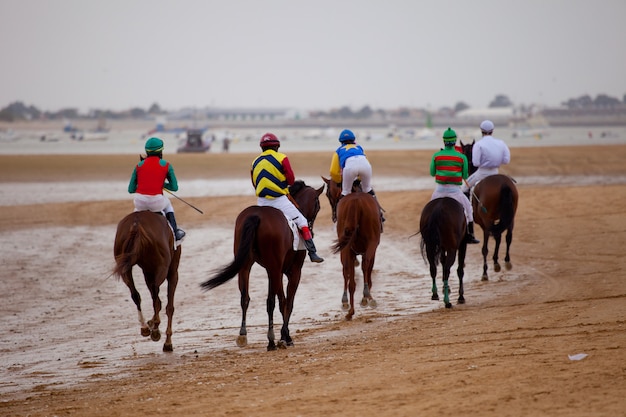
298	244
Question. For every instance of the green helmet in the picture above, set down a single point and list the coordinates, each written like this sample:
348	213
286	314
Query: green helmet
154	146
449	137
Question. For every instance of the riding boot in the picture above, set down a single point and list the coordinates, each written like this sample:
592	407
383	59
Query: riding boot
178	233
313	256
307	236
380	209
469	237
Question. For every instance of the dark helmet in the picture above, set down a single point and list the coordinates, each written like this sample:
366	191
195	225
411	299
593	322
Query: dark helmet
346	136
154	146
268	140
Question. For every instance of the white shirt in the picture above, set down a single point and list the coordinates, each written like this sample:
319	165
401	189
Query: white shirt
490	152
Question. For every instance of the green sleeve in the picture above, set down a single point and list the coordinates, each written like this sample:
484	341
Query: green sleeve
465	167
171	183
433	169
132	185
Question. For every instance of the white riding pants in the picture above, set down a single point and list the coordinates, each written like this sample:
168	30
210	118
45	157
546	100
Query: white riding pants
285	205
356	166
154	203
480	173
454	191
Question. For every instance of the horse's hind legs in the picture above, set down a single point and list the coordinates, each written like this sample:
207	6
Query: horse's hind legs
507	259
367	299
345	305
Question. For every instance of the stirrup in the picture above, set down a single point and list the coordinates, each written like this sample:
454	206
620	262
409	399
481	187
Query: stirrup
179	234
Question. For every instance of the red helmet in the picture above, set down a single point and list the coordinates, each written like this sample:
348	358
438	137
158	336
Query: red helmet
269	139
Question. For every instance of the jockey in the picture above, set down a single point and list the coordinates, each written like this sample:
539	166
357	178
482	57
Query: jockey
450	168
148	180
487	155
349	163
271	176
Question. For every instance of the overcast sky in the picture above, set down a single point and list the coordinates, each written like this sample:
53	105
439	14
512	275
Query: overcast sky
320	54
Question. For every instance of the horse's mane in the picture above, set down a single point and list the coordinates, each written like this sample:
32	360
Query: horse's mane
297	186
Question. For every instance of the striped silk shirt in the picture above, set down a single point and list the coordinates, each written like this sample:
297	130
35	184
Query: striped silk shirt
449	166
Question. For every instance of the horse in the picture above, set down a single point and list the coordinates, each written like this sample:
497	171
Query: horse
145	239
358	233
263	235
494	200
443	226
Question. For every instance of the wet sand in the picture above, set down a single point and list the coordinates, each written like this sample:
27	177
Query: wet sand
505	352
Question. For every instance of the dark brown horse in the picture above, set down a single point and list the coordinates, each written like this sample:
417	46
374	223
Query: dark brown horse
494	200
145	239
358	233
442	226
263	235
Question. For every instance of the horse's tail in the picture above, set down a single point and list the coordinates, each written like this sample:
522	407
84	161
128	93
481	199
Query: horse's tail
242	254
507	212
136	240
431	235
346	239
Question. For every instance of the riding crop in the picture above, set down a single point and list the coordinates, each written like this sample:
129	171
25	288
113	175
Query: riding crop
482	207
190	205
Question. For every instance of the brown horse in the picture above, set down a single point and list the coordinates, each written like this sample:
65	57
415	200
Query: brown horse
494	200
358	233
442	226
145	239
263	235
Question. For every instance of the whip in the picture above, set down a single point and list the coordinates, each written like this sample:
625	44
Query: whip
482	207
190	205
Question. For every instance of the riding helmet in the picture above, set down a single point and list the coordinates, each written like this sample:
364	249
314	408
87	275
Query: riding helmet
269	139
346	136
154	146
486	126
449	137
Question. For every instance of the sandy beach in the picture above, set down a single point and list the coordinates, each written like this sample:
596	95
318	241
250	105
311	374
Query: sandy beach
72	343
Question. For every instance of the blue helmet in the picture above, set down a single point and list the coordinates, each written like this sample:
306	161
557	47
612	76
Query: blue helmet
346	136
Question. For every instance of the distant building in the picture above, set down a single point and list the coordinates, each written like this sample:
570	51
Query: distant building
254	114
495	114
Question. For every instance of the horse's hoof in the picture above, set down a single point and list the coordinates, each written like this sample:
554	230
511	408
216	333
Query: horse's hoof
145	331
363	302
242	340
485	277
508	266
448	305
496	267
282	344
155	335
461	300
435	297
271	347
372	303
345	306
168	347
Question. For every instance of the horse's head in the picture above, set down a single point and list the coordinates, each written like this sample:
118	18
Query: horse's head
466	149
308	200
333	191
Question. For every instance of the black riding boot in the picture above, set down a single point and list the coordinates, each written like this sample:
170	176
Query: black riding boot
380	209
310	247
470	238
178	233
